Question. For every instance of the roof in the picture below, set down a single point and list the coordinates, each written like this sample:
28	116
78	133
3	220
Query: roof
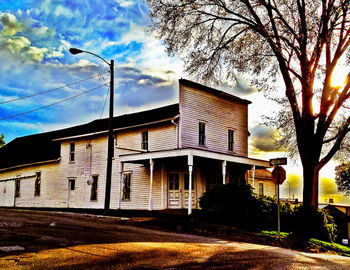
214	91
261	174
43	147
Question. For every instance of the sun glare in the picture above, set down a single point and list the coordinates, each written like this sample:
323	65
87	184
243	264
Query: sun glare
339	76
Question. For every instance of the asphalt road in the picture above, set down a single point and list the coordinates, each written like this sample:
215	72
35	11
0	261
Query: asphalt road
46	240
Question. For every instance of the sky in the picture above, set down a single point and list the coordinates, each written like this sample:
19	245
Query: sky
35	37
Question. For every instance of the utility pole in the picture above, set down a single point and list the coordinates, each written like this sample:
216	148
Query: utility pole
110	143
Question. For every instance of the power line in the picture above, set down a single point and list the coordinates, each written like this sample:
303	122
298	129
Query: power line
47	91
55	103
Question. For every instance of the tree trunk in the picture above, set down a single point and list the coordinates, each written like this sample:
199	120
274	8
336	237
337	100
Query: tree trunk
310	192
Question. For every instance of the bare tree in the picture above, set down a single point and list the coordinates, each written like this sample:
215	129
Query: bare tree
302	41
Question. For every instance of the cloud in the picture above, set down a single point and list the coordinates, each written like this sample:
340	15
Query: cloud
125	3
264	139
10	24
243	86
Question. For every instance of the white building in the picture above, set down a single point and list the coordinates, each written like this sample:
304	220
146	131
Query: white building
163	158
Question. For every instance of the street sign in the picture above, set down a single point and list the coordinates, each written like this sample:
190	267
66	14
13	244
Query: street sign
278	161
278	175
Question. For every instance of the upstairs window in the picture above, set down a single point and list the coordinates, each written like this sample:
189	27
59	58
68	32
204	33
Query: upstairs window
17	188
144	142
231	140
37	184
201	138
93	196
127	186
72	152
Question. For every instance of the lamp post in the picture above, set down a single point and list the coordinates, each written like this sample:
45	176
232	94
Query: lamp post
110	126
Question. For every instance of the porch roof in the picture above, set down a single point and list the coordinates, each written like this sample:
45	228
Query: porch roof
142	157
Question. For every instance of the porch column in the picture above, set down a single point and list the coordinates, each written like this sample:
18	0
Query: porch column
151	167
224	172
253	175
121	169
190	169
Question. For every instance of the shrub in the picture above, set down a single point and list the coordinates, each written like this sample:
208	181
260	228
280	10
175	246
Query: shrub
313	223
237	205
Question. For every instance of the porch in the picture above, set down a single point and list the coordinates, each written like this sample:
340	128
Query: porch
187	173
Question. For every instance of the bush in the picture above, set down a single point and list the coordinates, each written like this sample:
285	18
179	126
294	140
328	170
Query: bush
313	223
237	205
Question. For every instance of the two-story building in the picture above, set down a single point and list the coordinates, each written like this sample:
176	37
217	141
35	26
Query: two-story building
163	158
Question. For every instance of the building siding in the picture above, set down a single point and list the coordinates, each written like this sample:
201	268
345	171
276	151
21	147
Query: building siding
219	114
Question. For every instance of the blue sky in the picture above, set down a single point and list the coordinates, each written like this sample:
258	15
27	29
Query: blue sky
34	40
35	36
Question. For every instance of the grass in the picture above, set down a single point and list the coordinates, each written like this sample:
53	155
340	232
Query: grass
329	247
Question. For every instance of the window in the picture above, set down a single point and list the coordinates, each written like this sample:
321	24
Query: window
93	196
144	142
231	140
261	189
17	188
71	184
126	186
37	184
72	152
186	182
201	138
173	181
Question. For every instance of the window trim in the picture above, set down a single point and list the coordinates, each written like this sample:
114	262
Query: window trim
124	198
199	134
144	144
72	152
229	141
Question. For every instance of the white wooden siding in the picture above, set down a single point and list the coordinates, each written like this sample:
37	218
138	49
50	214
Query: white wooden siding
219	114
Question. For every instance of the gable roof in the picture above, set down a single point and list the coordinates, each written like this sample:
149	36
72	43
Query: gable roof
44	147
213	91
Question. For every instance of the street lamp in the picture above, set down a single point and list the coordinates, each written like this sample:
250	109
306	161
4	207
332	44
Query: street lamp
110	126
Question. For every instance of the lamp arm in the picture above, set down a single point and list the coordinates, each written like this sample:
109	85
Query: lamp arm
98	57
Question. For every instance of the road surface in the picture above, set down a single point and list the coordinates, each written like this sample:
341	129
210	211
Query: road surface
53	240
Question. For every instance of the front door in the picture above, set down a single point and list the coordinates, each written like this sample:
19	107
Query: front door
174	192
178	190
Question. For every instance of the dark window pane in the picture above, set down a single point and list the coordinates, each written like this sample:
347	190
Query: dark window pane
230	140
17	188
144	142
201	139
127	186
94	188
37	184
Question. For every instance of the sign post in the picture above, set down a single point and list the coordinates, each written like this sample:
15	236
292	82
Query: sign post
278	177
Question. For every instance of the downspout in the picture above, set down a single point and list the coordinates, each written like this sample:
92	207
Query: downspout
177	132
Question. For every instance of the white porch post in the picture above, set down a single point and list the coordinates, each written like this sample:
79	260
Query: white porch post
121	169
224	172
151	166
190	168
253	175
